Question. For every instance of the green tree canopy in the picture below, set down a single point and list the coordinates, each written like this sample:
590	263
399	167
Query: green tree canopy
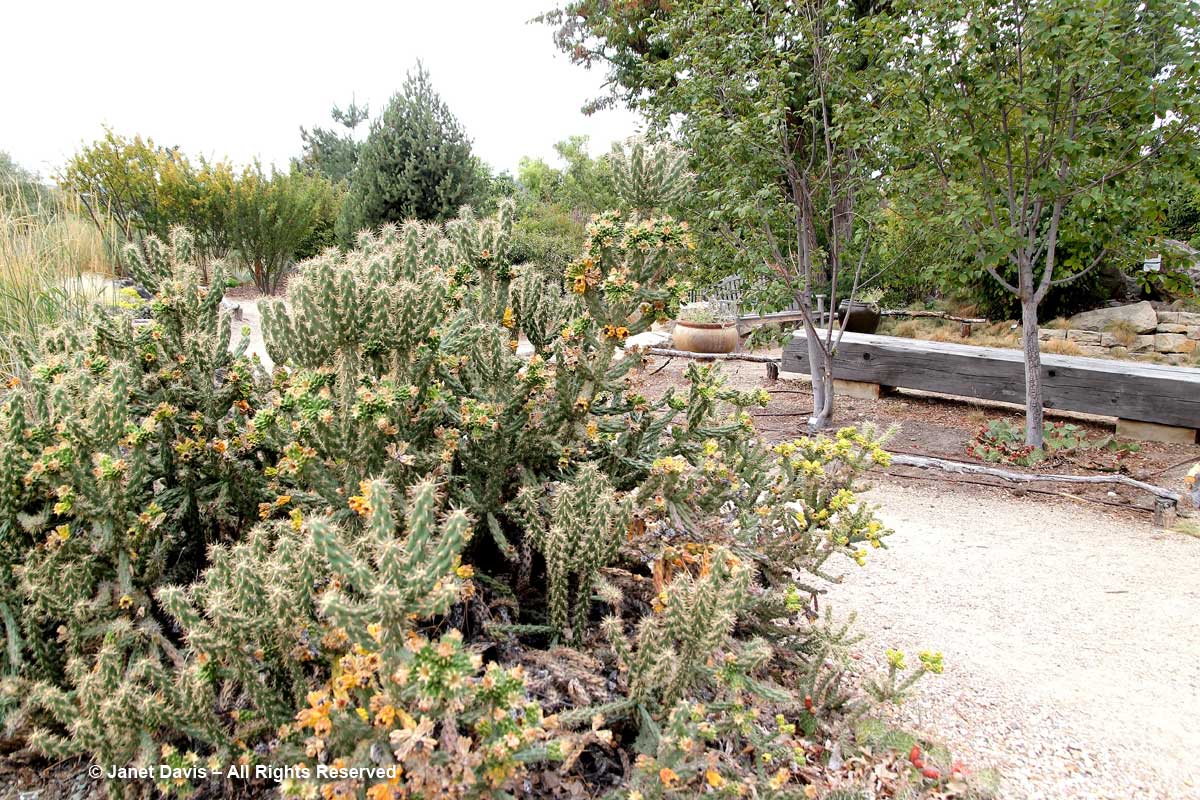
1031	125
330	152
416	162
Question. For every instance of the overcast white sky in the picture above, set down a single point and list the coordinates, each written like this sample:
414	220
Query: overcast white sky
238	79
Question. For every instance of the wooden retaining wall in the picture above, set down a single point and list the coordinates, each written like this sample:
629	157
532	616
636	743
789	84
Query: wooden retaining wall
1129	390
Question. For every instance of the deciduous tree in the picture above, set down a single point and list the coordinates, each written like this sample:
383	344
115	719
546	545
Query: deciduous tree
1029	124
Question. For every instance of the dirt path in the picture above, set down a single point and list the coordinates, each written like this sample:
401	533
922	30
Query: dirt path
1071	639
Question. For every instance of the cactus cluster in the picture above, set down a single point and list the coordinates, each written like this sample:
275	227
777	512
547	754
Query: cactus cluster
650	176
694	617
192	555
585	529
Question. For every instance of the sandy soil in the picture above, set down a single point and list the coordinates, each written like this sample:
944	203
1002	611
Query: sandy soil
1071	638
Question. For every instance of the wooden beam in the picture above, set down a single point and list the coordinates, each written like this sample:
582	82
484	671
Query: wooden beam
1130	390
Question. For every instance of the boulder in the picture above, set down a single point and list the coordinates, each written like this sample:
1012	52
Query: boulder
1173	343
1142	344
1083	337
1141	316
1046	334
1179	318
1171	328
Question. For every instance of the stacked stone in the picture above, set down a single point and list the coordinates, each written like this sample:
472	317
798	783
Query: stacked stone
1135	331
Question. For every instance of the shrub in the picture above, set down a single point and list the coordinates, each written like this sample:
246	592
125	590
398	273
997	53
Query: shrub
999	441
272	218
132	188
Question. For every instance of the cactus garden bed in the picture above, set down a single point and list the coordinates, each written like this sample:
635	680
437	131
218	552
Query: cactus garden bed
410	552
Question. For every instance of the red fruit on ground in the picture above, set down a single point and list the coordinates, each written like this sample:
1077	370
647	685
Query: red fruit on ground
931	773
914	755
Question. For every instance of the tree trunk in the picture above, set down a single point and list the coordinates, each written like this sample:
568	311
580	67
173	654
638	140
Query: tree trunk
821	368
1034	413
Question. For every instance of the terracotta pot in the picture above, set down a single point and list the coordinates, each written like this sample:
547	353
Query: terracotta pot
705	337
861	318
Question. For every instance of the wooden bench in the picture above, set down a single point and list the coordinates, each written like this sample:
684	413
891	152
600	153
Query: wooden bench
1150	401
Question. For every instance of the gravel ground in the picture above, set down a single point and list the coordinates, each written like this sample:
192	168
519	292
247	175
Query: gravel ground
1071	639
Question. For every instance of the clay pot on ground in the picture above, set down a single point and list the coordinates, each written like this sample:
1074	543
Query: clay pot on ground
705	337
858	317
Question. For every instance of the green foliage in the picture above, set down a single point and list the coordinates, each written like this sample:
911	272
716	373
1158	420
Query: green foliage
20	187
273	218
583	185
999	441
263	221
1039	129
331	153
415	164
546	236
553	204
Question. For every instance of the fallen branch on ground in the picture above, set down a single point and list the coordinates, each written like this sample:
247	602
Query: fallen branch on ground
663	351
900	312
987	485
962	468
663	366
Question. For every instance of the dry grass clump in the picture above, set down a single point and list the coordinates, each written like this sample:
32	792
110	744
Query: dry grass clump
1058	324
1061	347
50	260
995	334
1122	332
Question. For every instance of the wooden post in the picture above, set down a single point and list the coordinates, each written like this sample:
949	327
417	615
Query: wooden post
1165	513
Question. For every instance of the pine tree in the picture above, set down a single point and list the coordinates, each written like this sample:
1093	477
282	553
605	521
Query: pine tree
415	164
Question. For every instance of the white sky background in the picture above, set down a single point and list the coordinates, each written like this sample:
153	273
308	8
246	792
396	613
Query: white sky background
238	79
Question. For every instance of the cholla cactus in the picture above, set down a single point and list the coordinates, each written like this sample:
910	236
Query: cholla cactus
424	714
232	618
542	310
367	310
626	276
123	453
693	621
585	531
378	585
480	249
121	699
393	581
807	509
650	177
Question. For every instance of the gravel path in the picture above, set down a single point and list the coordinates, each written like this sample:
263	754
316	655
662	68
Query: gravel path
1071	639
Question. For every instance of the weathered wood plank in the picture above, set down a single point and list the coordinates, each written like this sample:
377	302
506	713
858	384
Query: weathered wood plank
1146	392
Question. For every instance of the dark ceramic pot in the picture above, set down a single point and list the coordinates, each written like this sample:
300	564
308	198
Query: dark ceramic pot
859	317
